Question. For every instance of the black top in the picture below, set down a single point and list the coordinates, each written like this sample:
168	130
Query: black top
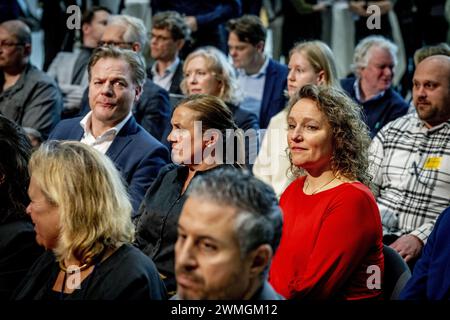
125	275
18	251
156	231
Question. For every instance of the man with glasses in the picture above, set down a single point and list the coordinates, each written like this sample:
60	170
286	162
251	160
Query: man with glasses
411	162
168	36
27	95
152	111
69	69
374	61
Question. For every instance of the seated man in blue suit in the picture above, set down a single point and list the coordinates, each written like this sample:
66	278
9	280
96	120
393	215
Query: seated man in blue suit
262	79
430	279
116	78
152	111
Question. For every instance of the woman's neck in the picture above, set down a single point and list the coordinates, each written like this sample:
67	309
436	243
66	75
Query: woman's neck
317	182
193	169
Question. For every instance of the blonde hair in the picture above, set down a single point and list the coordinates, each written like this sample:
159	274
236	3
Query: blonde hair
217	63
321	58
94	209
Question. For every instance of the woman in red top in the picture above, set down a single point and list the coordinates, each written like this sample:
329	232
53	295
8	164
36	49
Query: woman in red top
331	245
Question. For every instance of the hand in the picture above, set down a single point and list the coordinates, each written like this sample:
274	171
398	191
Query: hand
408	246
191	22
358	7
321	6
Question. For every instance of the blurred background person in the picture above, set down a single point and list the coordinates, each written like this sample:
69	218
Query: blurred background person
332	227
82	216
228	231
204	18
302	22
359	8
194	152
169	34
18	247
310	62
207	71
374	60
69	69
261	79
28	96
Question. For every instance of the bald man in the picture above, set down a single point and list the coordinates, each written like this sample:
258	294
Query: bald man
27	95
411	162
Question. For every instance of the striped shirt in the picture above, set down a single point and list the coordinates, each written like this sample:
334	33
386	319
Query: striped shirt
410	164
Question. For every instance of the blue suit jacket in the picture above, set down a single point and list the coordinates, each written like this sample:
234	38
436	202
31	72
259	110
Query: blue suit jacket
273	100
137	155
430	279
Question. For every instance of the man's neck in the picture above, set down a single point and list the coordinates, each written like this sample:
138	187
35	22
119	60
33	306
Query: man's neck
253	287
366	91
89	42
98	127
11	76
256	66
162	65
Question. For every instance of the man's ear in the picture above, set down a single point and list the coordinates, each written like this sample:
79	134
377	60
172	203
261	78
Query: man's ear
85	28
260	258
138	92
260	46
136	47
27	49
180	44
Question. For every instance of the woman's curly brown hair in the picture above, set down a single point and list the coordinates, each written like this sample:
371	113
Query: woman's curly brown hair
351	138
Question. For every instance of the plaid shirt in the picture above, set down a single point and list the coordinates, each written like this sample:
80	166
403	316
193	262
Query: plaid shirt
411	168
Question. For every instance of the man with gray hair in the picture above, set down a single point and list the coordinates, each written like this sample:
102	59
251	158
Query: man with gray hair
228	231
373	62
27	95
152	111
116	78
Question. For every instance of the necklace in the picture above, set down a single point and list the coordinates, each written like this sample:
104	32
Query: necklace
63	267
320	188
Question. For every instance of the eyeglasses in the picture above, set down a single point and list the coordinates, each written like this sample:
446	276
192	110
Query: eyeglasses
114	44
10	44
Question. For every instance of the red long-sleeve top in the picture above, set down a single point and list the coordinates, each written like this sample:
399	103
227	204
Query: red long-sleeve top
328	242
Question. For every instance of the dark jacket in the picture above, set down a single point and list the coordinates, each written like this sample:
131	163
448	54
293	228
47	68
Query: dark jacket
176	79
18	251
266	292
380	111
431	275
33	101
125	275
137	155
273	100
156	231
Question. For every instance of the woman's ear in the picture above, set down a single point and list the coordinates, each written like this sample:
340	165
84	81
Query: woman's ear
321	77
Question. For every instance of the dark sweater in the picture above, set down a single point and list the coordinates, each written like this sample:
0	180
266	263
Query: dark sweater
380	111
